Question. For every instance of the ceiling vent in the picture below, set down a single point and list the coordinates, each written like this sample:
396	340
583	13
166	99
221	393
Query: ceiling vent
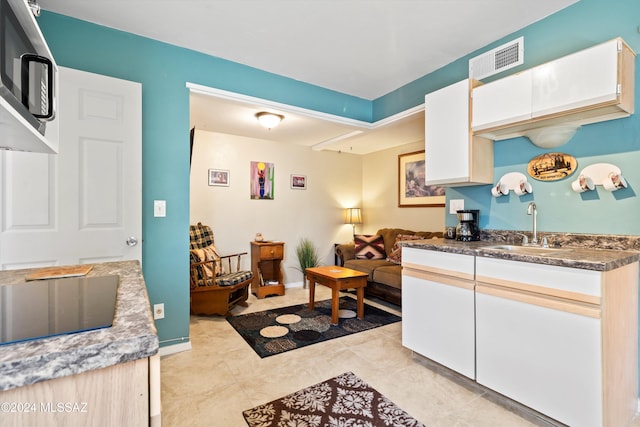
499	59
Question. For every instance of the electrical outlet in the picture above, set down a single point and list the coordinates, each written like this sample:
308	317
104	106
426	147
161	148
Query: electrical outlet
158	311
456	205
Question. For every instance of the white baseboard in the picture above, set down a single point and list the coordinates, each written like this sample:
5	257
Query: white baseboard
176	348
294	285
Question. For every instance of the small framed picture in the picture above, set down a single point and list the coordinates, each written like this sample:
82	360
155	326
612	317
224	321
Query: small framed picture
219	177
299	182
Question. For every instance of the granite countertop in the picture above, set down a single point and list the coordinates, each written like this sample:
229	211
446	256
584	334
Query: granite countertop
582	257
133	335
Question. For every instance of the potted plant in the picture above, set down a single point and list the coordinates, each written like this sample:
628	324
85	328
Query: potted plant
307	256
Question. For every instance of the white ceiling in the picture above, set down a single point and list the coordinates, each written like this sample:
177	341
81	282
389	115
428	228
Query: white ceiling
364	48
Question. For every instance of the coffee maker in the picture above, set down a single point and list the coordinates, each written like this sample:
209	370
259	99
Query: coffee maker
468	229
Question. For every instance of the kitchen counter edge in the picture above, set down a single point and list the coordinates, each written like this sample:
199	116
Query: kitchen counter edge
578	257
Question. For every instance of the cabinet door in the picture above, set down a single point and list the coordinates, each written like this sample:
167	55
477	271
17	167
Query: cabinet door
544	358
501	102
584	78
438	322
447	134
438	309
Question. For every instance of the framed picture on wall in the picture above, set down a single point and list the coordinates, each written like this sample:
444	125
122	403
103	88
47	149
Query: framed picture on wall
299	182
219	177
412	188
262	181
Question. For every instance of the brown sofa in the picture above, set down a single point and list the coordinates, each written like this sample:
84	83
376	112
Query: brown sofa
385	277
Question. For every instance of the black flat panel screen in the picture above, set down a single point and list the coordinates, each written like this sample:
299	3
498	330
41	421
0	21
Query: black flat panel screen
45	308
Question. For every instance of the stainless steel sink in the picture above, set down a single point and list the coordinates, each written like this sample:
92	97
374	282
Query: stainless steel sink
528	250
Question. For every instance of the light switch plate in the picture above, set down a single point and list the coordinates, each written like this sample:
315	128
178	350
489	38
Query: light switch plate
456	205
159	208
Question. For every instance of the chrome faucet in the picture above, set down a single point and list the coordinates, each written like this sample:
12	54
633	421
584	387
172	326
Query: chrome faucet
532	210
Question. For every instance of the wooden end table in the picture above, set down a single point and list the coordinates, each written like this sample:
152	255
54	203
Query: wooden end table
338	279
266	259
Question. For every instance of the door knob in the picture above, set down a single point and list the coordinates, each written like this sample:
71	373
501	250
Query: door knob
131	241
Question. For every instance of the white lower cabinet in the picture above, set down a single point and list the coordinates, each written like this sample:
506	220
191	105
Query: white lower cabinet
561	340
438	307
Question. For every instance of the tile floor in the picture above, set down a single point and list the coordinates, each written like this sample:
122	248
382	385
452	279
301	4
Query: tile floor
222	376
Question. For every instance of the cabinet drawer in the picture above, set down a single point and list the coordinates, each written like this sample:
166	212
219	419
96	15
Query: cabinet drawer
271	252
563	282
456	265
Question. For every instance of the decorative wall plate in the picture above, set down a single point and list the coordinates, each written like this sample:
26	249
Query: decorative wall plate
552	166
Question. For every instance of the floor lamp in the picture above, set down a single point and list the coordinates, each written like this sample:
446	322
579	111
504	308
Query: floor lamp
353	216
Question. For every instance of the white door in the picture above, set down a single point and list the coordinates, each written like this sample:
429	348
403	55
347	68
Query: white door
83	204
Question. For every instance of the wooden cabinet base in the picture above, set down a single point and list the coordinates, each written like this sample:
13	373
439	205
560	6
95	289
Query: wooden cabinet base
113	396
267	290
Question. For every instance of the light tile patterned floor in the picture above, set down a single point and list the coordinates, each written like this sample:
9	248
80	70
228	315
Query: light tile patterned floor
222	376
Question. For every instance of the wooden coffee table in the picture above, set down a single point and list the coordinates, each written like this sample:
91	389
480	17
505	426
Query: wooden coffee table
338	279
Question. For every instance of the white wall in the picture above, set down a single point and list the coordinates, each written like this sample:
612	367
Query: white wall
380	195
334	182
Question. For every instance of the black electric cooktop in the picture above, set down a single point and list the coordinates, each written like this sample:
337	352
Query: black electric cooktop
45	308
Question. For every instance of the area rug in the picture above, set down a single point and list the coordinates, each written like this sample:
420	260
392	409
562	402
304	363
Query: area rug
343	401
282	329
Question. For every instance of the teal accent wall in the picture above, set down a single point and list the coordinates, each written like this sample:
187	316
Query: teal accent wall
163	71
576	27
616	141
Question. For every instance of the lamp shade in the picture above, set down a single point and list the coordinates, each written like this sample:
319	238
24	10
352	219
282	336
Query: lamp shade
353	216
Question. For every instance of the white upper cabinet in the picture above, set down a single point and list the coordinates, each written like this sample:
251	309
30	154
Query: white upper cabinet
502	101
585	78
453	156
590	86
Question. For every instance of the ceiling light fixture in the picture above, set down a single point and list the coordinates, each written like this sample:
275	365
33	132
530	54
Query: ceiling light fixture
269	120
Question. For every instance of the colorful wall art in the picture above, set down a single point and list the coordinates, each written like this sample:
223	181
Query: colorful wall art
262	185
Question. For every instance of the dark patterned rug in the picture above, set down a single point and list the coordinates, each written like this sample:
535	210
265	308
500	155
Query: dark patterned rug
276	331
343	401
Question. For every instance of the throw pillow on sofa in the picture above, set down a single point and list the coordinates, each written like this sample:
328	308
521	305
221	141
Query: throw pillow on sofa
396	252
369	247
